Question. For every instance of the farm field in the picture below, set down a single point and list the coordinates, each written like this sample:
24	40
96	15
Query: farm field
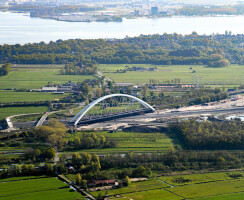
41	188
7	96
7	111
208	186
200	178
136	187
131	141
36	76
21	178
209	189
158	194
235	196
231	75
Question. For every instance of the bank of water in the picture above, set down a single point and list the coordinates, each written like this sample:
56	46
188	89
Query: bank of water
20	28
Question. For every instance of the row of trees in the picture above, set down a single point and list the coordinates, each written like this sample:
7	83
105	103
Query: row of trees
93	140
27	170
174	161
79	69
166	49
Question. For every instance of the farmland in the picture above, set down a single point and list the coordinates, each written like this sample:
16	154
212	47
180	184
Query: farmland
4	112
136	187
199	178
208	186
231	75
36	76
40	188
7	96
157	194
140	142
209	189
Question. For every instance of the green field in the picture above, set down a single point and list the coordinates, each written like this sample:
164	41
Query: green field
7	96
158	194
136	187
140	142
209	189
207	186
235	196
36	76
21	178
199	178
38	189
231	75
5	112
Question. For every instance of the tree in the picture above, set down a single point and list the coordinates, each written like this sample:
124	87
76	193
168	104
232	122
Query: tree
50	153
144	91
76	160
96	162
49	168
78	179
86	158
77	142
98	92
127	181
140	171
5	69
56	140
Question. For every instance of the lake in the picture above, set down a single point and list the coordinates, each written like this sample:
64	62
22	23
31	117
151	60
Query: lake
20	28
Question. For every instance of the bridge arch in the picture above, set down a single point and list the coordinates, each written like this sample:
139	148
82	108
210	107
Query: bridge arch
79	116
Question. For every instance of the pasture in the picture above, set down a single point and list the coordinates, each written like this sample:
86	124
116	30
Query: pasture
231	75
135	141
7	111
209	189
8	96
36	76
235	196
157	194
207	186
38	189
200	178
135	187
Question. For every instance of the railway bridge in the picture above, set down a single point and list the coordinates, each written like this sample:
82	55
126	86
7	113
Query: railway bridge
110	107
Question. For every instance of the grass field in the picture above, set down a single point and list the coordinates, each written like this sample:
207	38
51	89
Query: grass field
38	189
136	187
235	196
4	112
208	186
36	76
231	75
158	194
209	189
21	178
7	96
131	141
200	178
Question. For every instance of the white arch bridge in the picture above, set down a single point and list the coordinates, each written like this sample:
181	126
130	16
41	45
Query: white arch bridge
110	107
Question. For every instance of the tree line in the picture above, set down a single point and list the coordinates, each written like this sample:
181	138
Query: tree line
167	49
